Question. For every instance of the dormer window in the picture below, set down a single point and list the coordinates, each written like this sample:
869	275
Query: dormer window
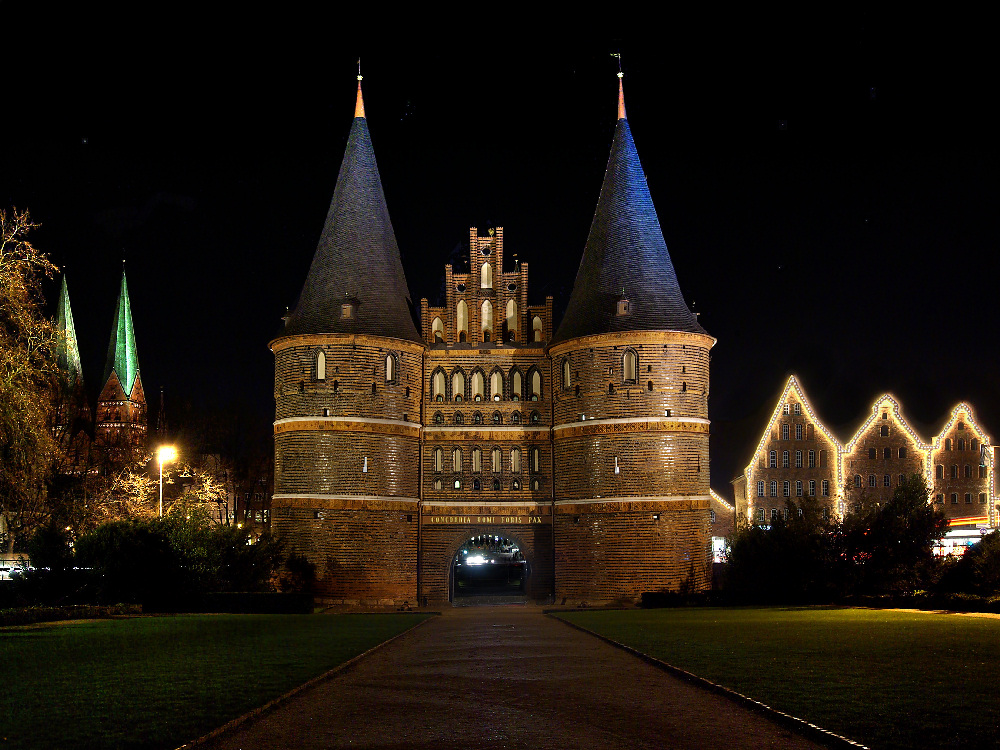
348	311
623	307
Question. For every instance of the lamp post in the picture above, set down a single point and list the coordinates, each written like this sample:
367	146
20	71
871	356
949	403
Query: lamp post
164	454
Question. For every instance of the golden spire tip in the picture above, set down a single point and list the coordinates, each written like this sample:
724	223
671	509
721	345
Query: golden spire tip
359	107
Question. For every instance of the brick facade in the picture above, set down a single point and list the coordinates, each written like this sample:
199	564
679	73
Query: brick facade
957	464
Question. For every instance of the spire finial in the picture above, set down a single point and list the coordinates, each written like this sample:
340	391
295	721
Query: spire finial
621	91
359	108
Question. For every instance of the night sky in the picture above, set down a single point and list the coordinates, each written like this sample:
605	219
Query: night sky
827	188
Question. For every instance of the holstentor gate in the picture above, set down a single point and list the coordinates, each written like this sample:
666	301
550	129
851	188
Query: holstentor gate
587	444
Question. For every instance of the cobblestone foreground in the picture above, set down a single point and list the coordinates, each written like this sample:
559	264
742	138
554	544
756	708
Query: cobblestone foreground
506	677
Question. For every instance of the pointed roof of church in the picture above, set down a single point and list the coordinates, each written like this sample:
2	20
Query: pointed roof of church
67	351
625	258
356	282
123	358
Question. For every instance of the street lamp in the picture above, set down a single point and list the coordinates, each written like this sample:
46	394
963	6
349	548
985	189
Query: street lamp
164	454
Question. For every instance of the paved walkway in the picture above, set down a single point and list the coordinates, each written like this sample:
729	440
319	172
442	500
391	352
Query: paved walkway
507	677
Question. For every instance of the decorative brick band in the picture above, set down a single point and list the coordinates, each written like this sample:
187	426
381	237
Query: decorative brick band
340	339
487	433
432	508
633	338
621	504
347	424
341	502
628	426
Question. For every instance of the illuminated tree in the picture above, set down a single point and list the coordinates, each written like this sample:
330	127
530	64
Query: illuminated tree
27	379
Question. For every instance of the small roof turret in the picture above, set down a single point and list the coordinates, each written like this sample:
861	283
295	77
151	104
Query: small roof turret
356	282
123	358
626	280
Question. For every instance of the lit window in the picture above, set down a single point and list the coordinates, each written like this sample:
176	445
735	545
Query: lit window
630	365
785	409
458	484
477	418
797	410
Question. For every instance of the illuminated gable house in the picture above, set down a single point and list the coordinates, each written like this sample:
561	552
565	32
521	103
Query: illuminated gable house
797	453
582	454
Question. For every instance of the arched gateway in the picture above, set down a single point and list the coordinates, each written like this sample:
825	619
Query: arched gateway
586	447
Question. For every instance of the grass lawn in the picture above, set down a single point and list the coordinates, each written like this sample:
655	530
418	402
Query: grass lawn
884	678
157	682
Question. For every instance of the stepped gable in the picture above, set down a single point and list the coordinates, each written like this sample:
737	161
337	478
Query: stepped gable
357	260
67	351
123	358
625	257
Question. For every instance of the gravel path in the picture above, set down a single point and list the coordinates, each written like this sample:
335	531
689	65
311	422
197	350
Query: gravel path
506	677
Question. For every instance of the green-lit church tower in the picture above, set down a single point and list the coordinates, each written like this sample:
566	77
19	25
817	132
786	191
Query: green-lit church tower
120	427
72	419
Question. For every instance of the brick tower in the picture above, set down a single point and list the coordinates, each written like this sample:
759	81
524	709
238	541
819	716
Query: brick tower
120	427
347	386
630	407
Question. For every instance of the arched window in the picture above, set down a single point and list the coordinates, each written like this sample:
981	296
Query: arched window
458	385
478	386
497	419
857	480
511	320
495	460
535	417
438	418
476	484
459	419
947	444
496	485
954	471
536	329
320	365
566	373
486	276
536	460
884	431
487	319
438	459
760	489
462	320
496	385
968	471
515	485
536	484
536	385
961	444
477	460
516	385
772	460
872	480
784	459
456	460
437	331
390	368
939	472
437	385
515	460
630	366
973	445
515	418
457	484
477	418
774	489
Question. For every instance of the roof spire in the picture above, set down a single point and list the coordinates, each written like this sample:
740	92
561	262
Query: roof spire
359	108
67	352
621	91
122	357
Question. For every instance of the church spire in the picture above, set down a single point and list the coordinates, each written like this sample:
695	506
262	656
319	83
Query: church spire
356	282
67	351
359	107
626	280
122	359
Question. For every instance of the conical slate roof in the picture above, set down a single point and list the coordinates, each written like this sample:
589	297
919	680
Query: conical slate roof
357	260
67	351
625	258
123	358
